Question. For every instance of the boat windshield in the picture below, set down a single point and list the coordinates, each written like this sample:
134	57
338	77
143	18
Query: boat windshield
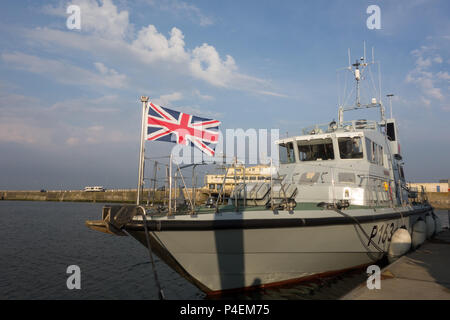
286	152
316	150
350	148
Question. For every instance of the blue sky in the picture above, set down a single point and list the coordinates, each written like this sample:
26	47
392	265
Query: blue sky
69	110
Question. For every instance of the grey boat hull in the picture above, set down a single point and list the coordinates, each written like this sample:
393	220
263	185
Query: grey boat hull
239	250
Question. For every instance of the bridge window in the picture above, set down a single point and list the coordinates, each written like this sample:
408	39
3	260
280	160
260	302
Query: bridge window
350	148
402	174
374	152
316	150
286	152
380	155
390	131
369	149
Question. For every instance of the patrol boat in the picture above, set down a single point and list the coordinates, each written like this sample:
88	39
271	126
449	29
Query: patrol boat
336	203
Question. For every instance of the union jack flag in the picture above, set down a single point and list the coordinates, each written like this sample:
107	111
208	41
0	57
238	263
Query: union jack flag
169	125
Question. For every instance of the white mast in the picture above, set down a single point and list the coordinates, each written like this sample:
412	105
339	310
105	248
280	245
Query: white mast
357	69
144	101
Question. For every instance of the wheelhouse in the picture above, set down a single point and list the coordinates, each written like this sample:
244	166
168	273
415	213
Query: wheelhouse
339	146
351	162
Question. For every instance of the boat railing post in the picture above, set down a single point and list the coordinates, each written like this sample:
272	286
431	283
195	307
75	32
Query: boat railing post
245	187
166	185
235	186
341	116
271	183
175	192
185	188
170	184
222	190
155	169
194	183
333	185
143	179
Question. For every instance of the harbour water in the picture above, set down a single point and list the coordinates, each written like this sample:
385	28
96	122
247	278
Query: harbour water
39	240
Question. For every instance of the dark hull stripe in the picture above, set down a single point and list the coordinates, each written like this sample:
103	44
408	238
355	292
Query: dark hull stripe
188	225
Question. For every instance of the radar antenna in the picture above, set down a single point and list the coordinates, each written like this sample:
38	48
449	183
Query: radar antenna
358	69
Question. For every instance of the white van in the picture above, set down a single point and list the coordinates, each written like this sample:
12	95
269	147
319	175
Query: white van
94	189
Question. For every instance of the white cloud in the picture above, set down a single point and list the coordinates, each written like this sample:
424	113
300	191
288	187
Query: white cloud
425	101
153	46
148	48
101	105
269	93
206	64
182	9
166	100
423	76
64	72
12	104
443	75
72	141
202	96
27	120
95	134
438	59
99	17
197	111
24	131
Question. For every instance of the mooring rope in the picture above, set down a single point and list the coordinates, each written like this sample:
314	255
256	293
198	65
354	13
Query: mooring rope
155	274
360	227
403	219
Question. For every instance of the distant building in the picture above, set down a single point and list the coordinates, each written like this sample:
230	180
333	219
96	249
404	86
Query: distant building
214	182
431	186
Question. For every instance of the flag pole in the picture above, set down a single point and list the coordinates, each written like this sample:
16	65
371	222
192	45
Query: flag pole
170	184
144	101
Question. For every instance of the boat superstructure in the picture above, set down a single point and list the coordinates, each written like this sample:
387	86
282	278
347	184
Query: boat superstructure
334	203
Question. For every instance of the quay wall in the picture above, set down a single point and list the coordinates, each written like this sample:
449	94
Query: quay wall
439	200
109	196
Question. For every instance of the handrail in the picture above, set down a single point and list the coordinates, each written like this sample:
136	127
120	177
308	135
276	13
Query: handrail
354	125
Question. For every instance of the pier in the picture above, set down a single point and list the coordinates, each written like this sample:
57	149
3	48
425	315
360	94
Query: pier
423	274
108	196
438	200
